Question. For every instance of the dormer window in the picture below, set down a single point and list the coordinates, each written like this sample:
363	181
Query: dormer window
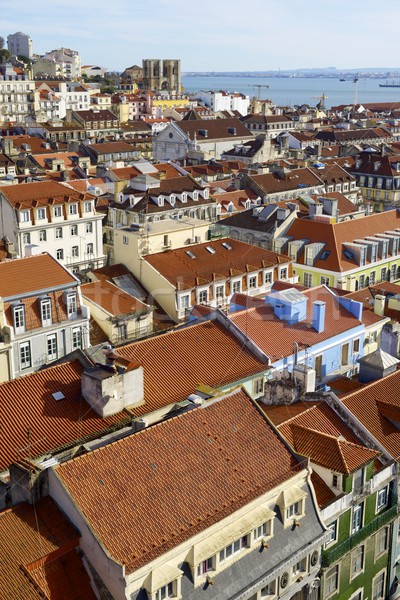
58	211
184	198
24	216
45	311
87	207
41	213
195	195
19	318
160	200
73	209
172	199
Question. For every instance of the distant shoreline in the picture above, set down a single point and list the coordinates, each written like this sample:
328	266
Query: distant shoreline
336	75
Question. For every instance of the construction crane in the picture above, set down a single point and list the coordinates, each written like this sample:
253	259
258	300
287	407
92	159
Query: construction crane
321	103
355	81
259	86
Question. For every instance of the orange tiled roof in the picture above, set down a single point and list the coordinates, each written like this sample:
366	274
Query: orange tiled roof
231	442
113	299
179	268
329	451
52	423
275	337
41	193
37	555
32	274
369	405
176	362
322	491
111	271
334	235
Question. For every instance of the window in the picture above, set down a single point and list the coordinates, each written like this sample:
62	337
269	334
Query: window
42	235
76	338
45	309
60	254
307	278
325	280
336	481
74	230
362	282
262	531
293	510
332	533
383	274
233	548
75	251
19	319
268	277
358	479
26	238
219	293
52	346
59	233
258	386
269	590
284	273
72	307
203	296
357	518
167	591
382	498
24	216
25	355
122	331
252	282
381	541
125	239
331	580
299	567
205	566
184	301
378	586
357	562
372	276
73	209
356	346
41	213
89	249
236	287
87	207
89	227
58	211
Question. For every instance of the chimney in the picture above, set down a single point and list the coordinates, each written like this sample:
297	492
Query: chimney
112	387
318	318
379	305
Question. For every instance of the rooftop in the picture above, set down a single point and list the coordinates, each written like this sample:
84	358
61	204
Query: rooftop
112	299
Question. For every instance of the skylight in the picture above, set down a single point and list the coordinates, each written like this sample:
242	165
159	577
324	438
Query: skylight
58	396
191	254
227	246
210	249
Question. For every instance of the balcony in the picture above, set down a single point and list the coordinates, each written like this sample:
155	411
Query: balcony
332	555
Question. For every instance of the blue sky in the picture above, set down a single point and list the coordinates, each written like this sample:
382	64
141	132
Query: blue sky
214	34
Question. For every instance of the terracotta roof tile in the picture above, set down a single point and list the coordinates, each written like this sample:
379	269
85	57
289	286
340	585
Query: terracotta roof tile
113	299
229	440
25	194
52	423
29	538
176	362
323	492
31	274
271	183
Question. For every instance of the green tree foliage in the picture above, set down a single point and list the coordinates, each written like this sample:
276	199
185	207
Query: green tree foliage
4	56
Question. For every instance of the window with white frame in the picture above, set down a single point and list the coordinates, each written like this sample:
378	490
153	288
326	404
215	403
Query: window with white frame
60	254
233	548
205	566
42	235
45	310
52	346
307	279
58	211
378	586
75	251
299	567
331	581
76	338
203	296
24	216
252	282
89	248
74	230
166	591
357	518
87	207
219	293
336	481
19	318
283	273
41	214
72	305
59	233
236	287
382	498
184	301
269	590
263	530
381	541
357	561
294	510
25	355
26	238
332	533
73	209
372	278
325	280
268	277
89	227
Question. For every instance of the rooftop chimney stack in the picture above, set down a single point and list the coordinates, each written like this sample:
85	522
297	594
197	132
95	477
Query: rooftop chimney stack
318	318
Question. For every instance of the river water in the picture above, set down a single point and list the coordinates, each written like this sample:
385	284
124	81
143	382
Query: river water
296	90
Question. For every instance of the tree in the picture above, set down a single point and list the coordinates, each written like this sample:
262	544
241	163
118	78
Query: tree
24	59
4	56
1	43
107	89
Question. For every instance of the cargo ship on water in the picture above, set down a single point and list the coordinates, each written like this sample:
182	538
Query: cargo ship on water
390	85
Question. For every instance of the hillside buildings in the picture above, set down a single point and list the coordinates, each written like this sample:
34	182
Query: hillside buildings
20	44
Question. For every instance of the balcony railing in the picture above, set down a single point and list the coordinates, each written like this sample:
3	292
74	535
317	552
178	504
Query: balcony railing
332	555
